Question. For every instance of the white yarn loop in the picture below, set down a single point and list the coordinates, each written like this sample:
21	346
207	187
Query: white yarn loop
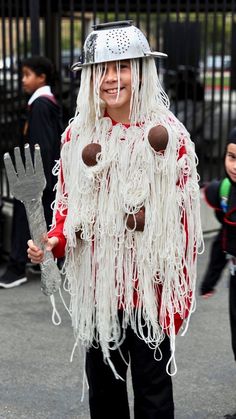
56	318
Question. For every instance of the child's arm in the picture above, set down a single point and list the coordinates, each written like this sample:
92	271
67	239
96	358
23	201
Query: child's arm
215	267
211	194
60	216
57	232
218	260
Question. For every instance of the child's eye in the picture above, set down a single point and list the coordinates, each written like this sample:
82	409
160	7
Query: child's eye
124	65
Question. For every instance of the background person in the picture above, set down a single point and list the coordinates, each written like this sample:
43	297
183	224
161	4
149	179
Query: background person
43	126
221	196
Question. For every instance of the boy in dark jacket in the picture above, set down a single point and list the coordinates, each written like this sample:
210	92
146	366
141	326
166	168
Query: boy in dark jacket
221	196
43	127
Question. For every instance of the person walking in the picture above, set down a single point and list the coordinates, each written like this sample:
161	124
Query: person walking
43	126
221	196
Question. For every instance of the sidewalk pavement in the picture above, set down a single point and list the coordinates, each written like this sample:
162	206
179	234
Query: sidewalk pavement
38	381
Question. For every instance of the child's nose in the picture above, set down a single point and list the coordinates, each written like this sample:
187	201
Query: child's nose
111	74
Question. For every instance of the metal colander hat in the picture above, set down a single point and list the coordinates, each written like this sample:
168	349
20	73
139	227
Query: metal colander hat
115	41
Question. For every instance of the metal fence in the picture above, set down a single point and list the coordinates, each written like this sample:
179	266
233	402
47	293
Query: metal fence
199	74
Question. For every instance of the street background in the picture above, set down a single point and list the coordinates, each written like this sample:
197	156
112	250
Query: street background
38	381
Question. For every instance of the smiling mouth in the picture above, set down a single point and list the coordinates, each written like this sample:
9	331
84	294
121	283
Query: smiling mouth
113	91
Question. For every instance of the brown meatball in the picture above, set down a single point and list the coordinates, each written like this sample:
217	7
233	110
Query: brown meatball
139	217
89	154
158	138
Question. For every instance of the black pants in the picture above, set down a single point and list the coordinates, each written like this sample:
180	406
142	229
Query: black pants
216	265
152	386
232	311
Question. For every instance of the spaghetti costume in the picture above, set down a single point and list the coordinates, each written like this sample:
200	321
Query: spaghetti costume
130	290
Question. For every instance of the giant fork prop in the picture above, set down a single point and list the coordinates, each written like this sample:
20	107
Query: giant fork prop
27	184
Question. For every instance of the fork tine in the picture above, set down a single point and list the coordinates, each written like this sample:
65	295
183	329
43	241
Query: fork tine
11	173
19	164
29	168
38	163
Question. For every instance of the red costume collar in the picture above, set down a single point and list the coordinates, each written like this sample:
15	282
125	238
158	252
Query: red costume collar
115	122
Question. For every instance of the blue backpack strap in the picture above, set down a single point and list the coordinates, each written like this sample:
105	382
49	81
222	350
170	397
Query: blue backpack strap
224	192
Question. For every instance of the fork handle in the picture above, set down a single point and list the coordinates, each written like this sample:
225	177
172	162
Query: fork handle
50	274
37	223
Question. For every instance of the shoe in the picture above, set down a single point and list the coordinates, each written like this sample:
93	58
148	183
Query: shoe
10	279
230	416
33	269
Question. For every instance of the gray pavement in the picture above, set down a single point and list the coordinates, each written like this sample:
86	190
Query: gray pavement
38	381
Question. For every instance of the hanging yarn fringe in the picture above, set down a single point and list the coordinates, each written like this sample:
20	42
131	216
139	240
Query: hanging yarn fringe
110	264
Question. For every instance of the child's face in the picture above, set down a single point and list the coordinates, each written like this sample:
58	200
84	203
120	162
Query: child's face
230	161
109	88
31	81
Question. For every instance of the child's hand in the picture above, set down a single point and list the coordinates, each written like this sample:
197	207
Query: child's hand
35	254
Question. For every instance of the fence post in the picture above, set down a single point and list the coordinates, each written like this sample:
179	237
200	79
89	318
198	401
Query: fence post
34	23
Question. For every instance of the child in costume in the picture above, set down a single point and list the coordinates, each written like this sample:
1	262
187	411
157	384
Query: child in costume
44	127
221	196
127	219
